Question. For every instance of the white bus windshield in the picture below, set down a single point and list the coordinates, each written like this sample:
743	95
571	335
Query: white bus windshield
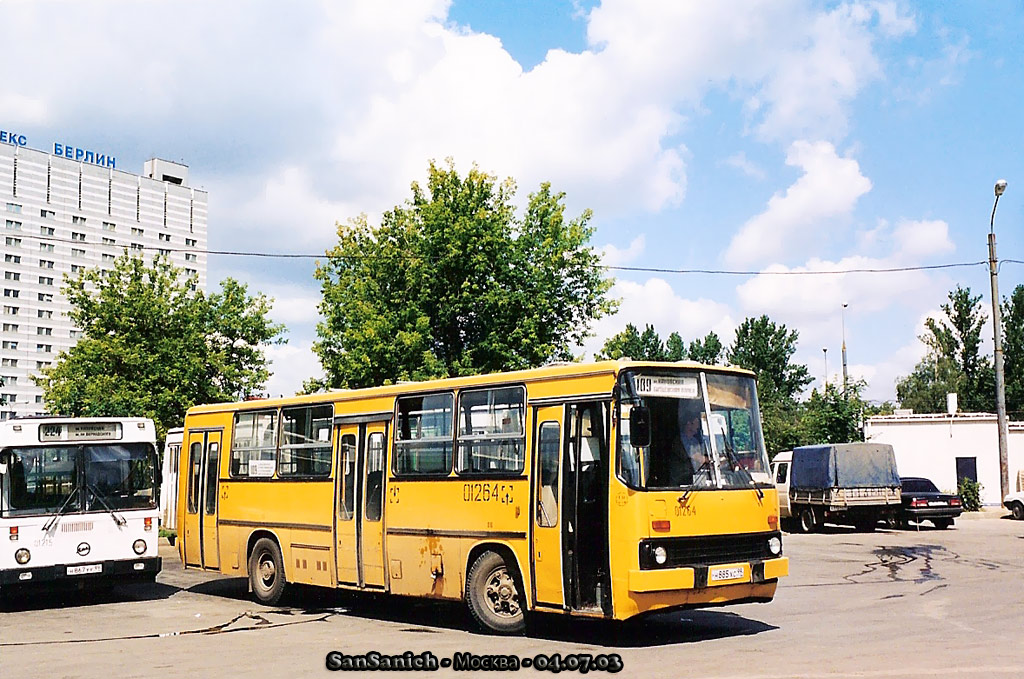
75	478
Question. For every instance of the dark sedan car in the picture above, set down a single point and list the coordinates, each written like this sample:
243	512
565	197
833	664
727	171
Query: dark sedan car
922	501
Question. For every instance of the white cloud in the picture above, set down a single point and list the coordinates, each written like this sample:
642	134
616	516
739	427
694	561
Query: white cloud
826	193
918	239
290	365
741	163
654	302
17	109
613	256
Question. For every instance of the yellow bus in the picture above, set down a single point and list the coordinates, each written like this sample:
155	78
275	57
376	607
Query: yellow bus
607	490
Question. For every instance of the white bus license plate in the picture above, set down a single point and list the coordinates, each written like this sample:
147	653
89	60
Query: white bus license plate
725	573
85	570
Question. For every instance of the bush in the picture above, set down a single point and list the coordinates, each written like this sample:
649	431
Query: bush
970	494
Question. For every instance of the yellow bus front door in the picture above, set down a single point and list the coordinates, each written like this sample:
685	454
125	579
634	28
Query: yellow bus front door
547	543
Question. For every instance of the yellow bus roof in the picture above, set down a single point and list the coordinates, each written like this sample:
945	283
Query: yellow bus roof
546	372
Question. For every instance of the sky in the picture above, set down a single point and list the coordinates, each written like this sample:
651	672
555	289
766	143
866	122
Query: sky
757	138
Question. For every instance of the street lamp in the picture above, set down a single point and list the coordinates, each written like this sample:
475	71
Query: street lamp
997	331
824	350
844	348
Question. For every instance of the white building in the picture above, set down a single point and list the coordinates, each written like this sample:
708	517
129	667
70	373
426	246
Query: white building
69	210
944	448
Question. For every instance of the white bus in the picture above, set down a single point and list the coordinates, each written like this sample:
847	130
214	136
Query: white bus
78	500
169	484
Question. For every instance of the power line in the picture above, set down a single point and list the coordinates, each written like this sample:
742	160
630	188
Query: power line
635	269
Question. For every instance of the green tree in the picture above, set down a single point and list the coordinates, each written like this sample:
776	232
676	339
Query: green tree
953	362
624	344
153	346
452	282
829	416
708	350
767	349
1013	352
675	348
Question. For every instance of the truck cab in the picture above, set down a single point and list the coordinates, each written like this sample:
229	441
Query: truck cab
780	472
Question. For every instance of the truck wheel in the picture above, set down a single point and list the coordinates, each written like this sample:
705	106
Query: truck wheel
808	521
494	596
1018	511
266	572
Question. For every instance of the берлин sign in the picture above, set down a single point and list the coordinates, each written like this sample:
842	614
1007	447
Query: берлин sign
62	150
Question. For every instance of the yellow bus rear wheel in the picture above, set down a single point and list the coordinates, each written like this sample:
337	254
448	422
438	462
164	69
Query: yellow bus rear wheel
494	595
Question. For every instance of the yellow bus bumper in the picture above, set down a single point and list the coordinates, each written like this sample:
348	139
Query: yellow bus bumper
661	580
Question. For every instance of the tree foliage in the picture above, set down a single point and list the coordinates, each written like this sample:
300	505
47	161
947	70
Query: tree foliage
153	347
830	416
648	346
953	362
1013	352
767	349
452	283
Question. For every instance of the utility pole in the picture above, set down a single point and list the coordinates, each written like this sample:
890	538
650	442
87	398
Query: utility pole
845	378
997	330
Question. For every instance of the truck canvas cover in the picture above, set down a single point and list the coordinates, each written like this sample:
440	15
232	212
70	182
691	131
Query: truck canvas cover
844	465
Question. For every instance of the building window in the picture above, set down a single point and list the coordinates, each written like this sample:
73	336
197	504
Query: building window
166	237
43	364
109	226
46	247
77	220
44	331
10	379
191	272
8	344
44	348
77	252
165	253
75	268
189	257
109	241
77	235
13	242
10	327
109	258
14	207
12	276
13	225
46	263
11	398
46	230
10	362
46	214
11	293
44	313
136	231
191	242
46	280
136	246
75	334
13	259
45	297
11	310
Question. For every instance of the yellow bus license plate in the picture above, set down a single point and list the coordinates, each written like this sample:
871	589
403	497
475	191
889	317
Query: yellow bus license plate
717	574
85	570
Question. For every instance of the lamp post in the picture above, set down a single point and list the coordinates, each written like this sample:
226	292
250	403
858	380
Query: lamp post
997	331
844	348
824	350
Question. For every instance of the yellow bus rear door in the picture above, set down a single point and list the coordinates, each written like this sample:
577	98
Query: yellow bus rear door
202	489
547	545
346	549
371	525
